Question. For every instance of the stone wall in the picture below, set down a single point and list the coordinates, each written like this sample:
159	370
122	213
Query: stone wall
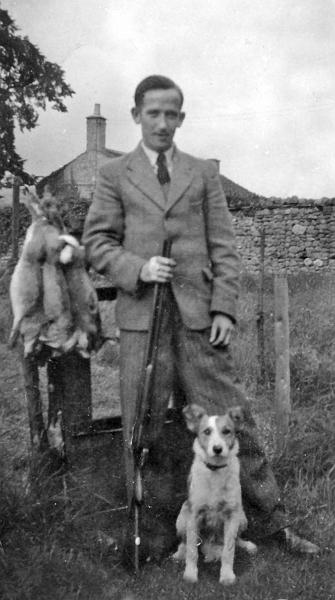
299	234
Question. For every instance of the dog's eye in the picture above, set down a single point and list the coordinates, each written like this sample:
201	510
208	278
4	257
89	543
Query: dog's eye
226	431
207	431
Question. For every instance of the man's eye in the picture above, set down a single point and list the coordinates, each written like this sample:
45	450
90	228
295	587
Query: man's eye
207	431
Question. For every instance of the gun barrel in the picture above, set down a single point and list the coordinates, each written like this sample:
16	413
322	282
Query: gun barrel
139	438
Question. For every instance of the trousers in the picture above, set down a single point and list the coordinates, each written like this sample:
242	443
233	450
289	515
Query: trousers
205	375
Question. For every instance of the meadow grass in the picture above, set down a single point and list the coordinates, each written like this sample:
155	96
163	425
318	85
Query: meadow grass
50	550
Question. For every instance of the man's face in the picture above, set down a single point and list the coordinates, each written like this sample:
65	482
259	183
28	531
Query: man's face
159	116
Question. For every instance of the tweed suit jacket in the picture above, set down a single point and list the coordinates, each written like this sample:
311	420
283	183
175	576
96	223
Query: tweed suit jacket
129	219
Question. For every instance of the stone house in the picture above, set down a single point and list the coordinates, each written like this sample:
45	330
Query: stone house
77	179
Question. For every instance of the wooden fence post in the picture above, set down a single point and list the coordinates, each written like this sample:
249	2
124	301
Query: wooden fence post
282	351
260	315
69	390
34	402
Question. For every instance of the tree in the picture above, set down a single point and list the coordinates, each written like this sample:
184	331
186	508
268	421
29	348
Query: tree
27	82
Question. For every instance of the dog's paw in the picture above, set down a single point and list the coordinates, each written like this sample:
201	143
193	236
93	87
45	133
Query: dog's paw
191	575
181	553
227	575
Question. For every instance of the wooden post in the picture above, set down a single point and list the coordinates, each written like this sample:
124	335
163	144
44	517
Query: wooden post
69	390
260	315
282	350
15	220
34	402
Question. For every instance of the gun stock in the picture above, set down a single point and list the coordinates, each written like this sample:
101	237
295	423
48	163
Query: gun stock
145	390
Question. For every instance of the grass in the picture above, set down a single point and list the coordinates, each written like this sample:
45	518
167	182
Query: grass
52	546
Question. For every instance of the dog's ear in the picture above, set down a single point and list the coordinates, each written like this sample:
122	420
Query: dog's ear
237	416
193	414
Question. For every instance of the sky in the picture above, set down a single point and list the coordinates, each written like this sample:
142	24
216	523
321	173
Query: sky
258	78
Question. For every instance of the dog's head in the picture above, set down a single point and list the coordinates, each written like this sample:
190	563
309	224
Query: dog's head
216	435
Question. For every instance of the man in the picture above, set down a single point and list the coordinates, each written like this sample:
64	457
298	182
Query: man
142	198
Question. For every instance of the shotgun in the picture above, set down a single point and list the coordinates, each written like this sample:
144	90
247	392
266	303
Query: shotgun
140	440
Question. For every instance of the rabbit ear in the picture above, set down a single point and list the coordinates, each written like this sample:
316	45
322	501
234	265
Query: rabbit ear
33	202
70	240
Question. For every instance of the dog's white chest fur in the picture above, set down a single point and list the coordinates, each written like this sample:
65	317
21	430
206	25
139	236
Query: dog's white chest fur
214	491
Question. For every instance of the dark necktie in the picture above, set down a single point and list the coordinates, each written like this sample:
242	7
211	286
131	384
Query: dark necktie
162	171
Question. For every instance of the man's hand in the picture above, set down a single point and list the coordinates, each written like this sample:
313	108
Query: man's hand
222	328
157	270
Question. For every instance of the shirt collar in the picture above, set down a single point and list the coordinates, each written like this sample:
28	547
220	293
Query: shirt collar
152	155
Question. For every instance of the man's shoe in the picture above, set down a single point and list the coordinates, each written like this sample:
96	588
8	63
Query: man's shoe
295	543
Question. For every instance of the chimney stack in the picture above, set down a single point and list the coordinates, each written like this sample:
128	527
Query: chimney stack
216	161
96	130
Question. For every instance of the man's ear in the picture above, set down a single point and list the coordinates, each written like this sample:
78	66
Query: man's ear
193	415
182	116
136	114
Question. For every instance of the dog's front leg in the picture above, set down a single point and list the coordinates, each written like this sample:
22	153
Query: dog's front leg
191	569
227	576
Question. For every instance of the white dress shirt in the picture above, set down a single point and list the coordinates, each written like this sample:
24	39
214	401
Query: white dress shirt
152	156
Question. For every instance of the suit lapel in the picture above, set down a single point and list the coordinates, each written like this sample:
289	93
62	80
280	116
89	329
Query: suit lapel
182	175
142	175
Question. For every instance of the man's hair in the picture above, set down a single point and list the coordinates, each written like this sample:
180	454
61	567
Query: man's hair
155	82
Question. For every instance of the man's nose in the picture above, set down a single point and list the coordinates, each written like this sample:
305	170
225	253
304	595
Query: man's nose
162	122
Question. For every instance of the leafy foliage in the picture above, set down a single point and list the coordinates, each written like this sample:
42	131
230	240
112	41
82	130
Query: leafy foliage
27	82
